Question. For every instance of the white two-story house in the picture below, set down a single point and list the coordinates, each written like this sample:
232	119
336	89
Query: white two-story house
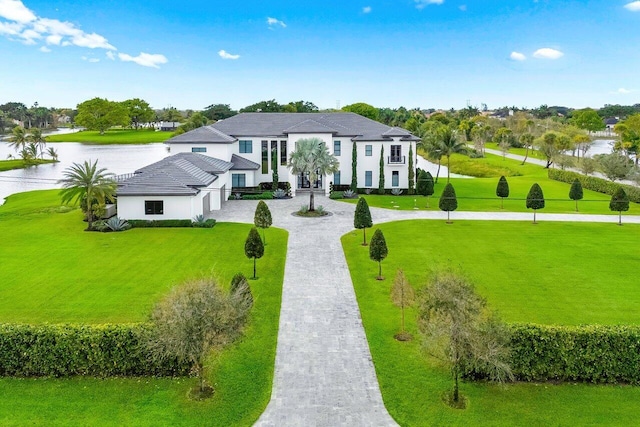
207	163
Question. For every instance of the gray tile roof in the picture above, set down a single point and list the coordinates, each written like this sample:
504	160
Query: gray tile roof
349	125
240	163
178	175
202	134
309	126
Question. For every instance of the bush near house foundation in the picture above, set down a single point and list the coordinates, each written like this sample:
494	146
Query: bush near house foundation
595	184
171	223
69	350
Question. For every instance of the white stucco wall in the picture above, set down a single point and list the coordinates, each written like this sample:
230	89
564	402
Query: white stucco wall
372	163
175	207
219	151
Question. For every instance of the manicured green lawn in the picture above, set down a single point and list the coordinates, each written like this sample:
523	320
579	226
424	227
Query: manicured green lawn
113	136
533	154
75	276
479	194
53	271
7	165
549	273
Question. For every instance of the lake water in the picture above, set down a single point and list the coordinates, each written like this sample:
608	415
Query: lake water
118	159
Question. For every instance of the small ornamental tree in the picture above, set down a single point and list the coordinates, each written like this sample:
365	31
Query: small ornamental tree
535	199
619	203
576	193
378	251
448	200
354	168
422	183
262	218
411	170
460	331
502	190
253	247
195	319
241	290
362	218
381	179
402	295
429	187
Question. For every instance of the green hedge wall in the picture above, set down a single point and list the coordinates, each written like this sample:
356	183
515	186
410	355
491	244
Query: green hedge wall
592	353
169	223
595	184
67	350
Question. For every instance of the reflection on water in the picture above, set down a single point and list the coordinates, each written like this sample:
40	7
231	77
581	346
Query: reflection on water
118	159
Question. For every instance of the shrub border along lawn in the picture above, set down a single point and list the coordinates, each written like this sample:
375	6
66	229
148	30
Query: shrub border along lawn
588	353
595	184
68	350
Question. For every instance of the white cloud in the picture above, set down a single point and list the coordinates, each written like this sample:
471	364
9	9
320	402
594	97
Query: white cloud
54	39
15	10
623	91
10	28
44	49
226	55
30	36
517	56
145	59
23	25
275	22
634	6
548	53
366	9
421	4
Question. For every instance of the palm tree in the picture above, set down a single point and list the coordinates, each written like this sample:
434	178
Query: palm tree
52	153
19	138
450	144
90	186
35	136
433	147
312	157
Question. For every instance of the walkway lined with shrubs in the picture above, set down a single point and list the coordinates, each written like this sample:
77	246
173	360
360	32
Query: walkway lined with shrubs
324	374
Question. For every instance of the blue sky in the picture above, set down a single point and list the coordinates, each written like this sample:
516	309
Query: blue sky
388	53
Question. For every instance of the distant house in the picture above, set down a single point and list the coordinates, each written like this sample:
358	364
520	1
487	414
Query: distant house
167	126
611	122
237	152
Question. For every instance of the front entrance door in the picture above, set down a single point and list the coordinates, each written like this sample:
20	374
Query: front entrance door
303	181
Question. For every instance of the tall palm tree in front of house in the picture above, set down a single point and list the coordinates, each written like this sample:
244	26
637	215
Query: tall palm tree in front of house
311	156
90	186
18	139
450	144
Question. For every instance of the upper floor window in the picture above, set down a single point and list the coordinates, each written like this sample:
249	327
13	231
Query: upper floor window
368	150
246	146
336	148
198	149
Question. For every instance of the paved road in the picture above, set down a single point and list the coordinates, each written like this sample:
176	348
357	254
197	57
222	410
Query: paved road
324	375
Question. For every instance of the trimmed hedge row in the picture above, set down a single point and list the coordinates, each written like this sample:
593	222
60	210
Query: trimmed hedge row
591	353
67	350
595	184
